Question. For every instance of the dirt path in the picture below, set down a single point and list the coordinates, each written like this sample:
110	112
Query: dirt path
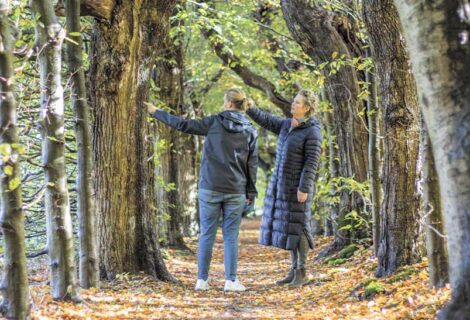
334	292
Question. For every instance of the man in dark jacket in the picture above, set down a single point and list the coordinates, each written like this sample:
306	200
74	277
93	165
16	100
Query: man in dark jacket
227	179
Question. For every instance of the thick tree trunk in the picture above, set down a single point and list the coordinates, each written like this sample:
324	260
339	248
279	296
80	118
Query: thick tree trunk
88	270
399	103
374	159
435	235
123	53
317	32
181	166
437	34
14	286
59	223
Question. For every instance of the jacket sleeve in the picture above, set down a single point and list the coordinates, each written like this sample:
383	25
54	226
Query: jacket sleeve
264	119
192	126
251	192
311	160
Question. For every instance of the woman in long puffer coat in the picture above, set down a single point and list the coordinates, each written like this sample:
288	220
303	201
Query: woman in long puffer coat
286	215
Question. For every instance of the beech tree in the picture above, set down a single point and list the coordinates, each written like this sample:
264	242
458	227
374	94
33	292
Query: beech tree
14	285
437	35
88	270
60	247
433	216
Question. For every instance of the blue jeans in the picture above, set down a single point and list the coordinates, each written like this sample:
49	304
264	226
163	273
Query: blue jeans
212	205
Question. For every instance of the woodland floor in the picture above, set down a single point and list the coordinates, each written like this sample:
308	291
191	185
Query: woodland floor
334	292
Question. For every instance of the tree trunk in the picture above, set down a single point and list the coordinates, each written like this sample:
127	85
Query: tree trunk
123	54
437	34
399	103
14	286
374	159
89	273
435	235
182	153
318	33
59	223
330	226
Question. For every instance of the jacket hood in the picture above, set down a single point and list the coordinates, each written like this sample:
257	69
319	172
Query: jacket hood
234	121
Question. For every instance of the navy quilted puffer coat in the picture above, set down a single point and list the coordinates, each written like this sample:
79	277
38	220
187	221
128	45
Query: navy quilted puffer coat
297	159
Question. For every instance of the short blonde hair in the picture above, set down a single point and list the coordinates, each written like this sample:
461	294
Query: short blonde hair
237	97
310	100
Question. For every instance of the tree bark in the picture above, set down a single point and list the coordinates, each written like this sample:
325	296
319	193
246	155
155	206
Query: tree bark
14	286
320	34
399	103
123	54
59	223
330	226
374	158
88	270
437	34
435	234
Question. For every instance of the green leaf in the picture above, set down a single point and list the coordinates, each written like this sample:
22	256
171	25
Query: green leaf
8	170
71	40
14	183
5	149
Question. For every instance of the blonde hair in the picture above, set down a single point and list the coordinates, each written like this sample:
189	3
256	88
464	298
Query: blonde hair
237	97
310	101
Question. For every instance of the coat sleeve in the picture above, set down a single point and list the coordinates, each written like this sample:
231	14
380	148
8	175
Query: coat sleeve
251	192
264	119
312	149
192	126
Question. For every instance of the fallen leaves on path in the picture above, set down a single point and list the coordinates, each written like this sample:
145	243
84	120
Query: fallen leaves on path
334	292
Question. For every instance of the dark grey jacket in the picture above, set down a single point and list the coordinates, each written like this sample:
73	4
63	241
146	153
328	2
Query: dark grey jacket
230	153
297	158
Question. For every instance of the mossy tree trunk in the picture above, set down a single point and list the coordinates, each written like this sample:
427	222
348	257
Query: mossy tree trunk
124	49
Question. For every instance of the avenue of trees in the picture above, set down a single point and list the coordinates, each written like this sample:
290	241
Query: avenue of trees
90	181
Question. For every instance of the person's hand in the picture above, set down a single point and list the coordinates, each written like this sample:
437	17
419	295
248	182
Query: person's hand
249	201
251	103
150	107
301	196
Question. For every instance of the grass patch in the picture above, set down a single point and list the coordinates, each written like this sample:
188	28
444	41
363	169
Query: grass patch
372	289
348	251
405	274
336	262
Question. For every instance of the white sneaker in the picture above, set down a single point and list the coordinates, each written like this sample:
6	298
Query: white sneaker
234	285
202	285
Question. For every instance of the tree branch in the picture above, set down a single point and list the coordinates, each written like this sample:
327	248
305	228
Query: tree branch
246	74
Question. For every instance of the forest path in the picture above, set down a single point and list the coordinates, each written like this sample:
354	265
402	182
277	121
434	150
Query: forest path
330	294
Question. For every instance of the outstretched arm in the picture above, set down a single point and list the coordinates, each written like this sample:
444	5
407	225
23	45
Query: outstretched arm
264	119
191	126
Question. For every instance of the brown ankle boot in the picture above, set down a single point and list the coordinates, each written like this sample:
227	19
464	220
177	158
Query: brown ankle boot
287	279
300	278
